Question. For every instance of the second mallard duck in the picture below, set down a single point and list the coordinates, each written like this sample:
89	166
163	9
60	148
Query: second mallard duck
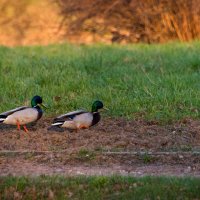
80	118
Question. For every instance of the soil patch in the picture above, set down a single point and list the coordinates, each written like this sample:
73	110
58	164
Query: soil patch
114	146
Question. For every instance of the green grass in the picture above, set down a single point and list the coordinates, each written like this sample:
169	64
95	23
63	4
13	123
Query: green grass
85	155
45	187
156	82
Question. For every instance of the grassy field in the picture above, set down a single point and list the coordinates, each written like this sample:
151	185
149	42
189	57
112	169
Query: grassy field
155	82
45	187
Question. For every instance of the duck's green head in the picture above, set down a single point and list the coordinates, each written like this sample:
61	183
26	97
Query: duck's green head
96	106
36	101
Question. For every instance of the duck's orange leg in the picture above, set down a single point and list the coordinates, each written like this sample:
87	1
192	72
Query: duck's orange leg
26	130
83	127
18	126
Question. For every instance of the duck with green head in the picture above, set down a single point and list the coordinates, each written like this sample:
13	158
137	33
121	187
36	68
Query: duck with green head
80	119
23	115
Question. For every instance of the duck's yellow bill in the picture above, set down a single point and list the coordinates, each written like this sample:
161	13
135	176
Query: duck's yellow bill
43	105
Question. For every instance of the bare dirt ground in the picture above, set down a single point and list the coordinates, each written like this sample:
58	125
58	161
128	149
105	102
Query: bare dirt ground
114	146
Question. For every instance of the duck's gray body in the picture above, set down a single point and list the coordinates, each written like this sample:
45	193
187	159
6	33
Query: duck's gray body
22	115
77	119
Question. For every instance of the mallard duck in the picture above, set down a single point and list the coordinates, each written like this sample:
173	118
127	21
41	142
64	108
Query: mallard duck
80	119
23	115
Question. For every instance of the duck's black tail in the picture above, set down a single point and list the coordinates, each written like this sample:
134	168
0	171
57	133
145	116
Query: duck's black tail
2	118
57	124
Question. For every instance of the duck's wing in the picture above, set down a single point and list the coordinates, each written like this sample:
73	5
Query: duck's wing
70	115
7	113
